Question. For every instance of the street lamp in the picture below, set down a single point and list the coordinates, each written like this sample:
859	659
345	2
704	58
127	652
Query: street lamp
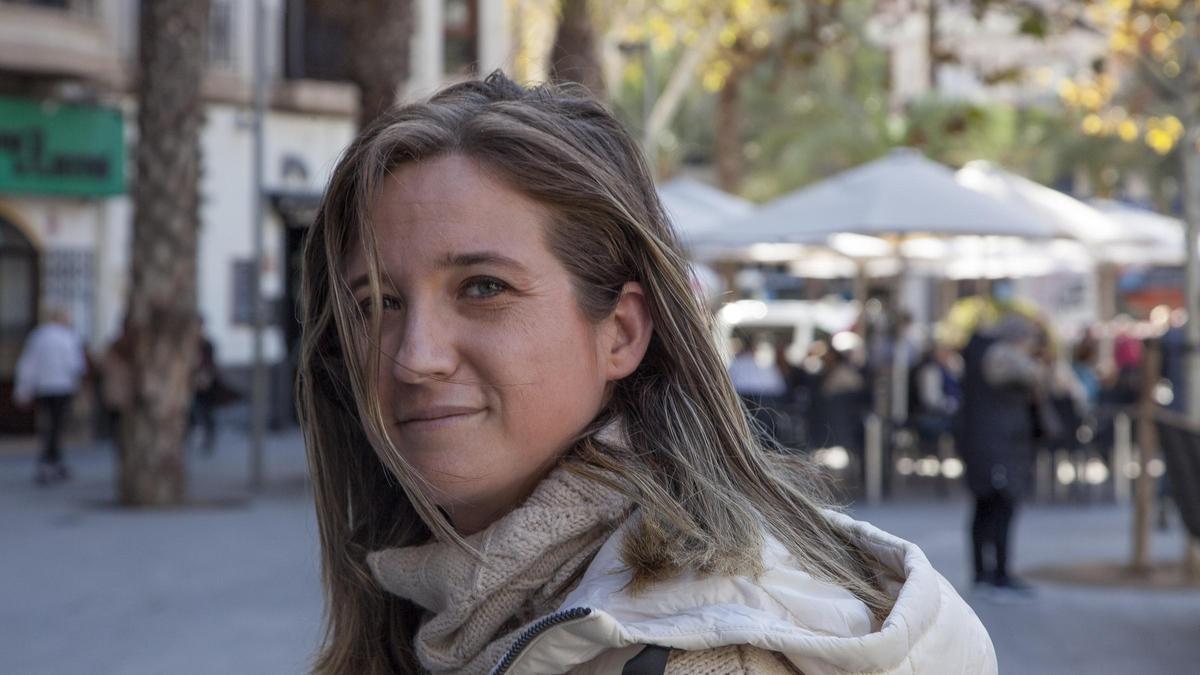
258	390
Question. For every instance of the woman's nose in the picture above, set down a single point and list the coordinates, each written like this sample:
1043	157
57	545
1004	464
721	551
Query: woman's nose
425	349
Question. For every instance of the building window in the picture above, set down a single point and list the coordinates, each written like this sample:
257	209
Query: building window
461	36
220	34
82	7
18	315
316	43
18	294
243	292
67	283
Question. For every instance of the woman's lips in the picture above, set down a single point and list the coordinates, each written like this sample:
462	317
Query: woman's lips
438	417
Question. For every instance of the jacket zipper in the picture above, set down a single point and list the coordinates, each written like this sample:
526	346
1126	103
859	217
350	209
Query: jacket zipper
535	630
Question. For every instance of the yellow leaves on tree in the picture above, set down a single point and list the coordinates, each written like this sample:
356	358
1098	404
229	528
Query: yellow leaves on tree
667	24
1156	40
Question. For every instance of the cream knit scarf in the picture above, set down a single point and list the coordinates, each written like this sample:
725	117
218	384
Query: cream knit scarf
532	557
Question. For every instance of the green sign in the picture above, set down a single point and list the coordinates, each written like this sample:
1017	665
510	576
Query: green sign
61	149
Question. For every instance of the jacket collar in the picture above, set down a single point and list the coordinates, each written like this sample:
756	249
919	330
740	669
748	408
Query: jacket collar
819	627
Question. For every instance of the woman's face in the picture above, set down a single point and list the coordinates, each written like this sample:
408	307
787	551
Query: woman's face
488	368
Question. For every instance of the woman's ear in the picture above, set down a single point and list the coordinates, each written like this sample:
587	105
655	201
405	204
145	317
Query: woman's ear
626	332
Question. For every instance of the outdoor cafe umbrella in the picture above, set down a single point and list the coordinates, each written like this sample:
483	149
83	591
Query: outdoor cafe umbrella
696	209
1069	217
902	201
899	195
1100	238
1157	239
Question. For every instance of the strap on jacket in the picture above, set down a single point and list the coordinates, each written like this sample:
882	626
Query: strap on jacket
650	661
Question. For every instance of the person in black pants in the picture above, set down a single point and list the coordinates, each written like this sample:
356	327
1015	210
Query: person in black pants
204	387
52	415
995	439
991	528
48	374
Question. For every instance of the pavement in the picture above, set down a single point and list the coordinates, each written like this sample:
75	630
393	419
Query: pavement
230	583
1067	628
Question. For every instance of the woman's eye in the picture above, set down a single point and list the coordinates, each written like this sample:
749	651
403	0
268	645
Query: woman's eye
389	304
480	289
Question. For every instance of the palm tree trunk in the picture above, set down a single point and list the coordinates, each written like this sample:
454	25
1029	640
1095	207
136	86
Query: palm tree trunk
380	35
931	43
575	56
162	298
728	132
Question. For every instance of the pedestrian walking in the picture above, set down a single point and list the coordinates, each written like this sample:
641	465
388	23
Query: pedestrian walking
527	455
751	379
48	374
934	396
1174	351
761	387
792	406
116	381
842	400
1001	381
205	385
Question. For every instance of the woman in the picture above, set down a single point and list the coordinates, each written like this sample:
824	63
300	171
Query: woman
1002	387
117	380
526	453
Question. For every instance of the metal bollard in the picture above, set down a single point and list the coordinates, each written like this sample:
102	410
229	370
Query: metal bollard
1044	477
1122	456
873	459
1061	487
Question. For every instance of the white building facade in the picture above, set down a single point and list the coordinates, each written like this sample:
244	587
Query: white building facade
986	50
64	239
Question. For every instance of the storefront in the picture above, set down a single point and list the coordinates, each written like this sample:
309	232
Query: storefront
59	166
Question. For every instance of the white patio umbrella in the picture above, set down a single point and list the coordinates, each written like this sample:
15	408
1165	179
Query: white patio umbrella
996	257
1154	239
900	207
699	212
696	208
1069	217
900	195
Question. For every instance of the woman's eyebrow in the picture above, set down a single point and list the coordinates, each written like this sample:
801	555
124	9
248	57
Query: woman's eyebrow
457	260
481	258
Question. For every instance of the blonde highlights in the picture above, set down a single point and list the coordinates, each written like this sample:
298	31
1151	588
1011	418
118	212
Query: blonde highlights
706	488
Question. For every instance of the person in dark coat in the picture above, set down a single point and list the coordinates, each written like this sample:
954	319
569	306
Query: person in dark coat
934	397
204	392
1174	353
842	400
1001	380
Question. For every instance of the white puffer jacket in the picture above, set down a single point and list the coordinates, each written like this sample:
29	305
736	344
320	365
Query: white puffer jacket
820	628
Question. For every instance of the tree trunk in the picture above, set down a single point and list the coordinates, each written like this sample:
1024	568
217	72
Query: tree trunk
380	37
1147	442
1191	201
931	43
575	56
680	79
162	298
729	133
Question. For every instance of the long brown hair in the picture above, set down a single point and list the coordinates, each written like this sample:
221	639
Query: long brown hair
706	487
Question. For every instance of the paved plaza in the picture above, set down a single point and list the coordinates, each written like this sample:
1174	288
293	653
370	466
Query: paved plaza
230	584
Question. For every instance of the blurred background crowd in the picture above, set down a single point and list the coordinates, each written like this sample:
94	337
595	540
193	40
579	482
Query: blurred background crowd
749	111
950	244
